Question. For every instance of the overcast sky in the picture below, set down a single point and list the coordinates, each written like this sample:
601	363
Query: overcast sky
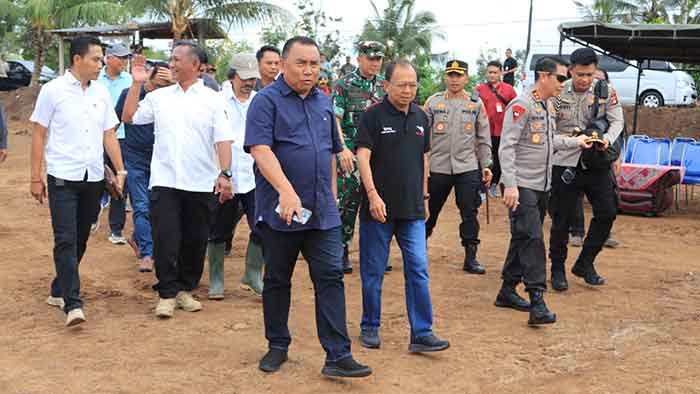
469	25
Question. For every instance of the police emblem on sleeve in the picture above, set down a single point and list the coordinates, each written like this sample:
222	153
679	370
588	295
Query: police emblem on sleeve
518	111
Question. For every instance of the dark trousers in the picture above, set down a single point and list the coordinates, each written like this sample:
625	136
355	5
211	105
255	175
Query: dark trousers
496	168
526	254
599	187
323	250
180	222
578	226
117	208
74	207
225	217
467	187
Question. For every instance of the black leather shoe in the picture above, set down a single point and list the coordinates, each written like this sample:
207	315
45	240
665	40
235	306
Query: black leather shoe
589	275
559	282
470	264
389	268
429	343
273	360
539	314
509	298
370	339
345	368
347	266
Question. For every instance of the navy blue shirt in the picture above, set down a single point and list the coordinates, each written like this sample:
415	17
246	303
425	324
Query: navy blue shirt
138	142
302	134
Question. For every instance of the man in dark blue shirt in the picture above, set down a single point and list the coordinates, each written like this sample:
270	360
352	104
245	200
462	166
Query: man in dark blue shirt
137	152
291	133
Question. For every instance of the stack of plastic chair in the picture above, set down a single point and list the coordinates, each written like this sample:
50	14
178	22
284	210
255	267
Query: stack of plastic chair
629	147
646	151
677	152
664	151
691	162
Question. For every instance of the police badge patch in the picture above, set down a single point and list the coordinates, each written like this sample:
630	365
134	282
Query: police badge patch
518	111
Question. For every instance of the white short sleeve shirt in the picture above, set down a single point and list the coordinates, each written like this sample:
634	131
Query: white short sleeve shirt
241	162
187	125
76	120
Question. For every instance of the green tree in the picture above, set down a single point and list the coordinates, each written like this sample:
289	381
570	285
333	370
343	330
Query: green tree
607	11
314	23
220	55
430	77
404	33
181	12
274	35
44	15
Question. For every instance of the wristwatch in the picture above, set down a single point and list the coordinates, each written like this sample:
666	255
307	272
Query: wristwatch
226	174
122	172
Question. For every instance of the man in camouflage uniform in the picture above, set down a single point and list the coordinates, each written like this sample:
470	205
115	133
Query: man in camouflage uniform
460	157
351	96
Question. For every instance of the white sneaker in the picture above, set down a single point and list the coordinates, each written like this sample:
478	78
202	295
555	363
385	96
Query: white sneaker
165	308
186	302
56	301
75	317
117	239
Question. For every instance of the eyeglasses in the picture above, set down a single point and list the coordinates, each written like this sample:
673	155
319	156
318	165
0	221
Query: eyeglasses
561	78
404	85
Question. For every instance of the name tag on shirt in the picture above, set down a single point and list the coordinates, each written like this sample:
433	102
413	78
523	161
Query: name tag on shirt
499	108
387	130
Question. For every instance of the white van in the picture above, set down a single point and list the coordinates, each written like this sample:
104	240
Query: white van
657	88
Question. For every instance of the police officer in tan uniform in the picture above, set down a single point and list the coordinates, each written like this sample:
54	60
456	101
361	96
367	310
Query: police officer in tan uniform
527	145
460	156
572	176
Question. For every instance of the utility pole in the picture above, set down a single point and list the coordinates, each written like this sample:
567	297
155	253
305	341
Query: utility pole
529	33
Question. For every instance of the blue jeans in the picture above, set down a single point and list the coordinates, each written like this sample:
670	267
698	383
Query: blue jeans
74	207
323	250
137	181
375	239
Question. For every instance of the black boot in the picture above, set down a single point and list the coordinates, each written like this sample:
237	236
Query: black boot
470	264
559	282
347	266
539	314
509	298
588	273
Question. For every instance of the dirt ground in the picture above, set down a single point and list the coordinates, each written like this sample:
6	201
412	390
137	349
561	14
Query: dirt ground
640	333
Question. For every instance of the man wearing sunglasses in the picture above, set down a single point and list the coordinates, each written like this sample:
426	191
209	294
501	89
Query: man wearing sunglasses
571	176
527	145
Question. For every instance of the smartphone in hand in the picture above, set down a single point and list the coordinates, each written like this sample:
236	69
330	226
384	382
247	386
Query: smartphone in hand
305	215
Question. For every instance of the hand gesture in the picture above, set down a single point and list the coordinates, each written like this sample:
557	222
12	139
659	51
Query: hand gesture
290	204
139	73
511	197
38	190
583	141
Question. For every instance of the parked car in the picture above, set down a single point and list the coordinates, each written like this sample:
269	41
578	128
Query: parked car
658	86
20	74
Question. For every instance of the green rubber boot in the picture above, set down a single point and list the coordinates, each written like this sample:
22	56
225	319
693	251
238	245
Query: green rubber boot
252	278
216	270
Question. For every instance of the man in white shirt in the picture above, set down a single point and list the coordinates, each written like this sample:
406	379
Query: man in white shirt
74	122
191	157
242	76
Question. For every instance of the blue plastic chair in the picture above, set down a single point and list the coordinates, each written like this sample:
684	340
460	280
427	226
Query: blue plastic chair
691	162
664	151
678	149
631	142
646	151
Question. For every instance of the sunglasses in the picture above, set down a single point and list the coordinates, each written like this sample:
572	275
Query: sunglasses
561	78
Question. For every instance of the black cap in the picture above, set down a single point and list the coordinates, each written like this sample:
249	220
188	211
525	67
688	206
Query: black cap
583	57
456	66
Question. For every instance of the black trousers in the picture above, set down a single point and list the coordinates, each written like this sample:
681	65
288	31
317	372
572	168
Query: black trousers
526	258
600	188
496	168
467	187
578	226
225	217
180	221
323	250
74	206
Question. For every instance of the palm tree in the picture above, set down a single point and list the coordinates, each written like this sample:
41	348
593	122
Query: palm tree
44	15
181	12
607	11
653	11
404	34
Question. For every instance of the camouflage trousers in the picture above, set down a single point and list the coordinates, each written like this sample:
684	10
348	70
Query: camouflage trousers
349	197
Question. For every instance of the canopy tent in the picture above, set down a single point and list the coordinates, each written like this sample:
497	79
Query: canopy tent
200	28
671	43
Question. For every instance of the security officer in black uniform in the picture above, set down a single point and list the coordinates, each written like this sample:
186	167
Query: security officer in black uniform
460	157
583	100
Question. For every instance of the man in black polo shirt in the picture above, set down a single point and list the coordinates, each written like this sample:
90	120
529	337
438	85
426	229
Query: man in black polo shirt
392	154
510	68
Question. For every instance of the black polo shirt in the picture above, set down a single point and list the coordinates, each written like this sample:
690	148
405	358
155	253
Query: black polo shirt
509	64
398	142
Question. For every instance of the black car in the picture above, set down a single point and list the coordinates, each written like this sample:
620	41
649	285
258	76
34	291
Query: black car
20	73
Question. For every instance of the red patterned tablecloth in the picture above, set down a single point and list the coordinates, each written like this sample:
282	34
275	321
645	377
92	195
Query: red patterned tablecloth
641	176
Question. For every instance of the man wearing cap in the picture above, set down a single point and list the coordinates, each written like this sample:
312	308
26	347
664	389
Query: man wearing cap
114	77
527	144
576	110
460	157
351	96
242	76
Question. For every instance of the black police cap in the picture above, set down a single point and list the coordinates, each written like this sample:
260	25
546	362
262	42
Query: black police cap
456	66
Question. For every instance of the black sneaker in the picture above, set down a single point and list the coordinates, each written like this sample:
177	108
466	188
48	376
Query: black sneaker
429	343
273	360
370	339
345	368
389	268
347	266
